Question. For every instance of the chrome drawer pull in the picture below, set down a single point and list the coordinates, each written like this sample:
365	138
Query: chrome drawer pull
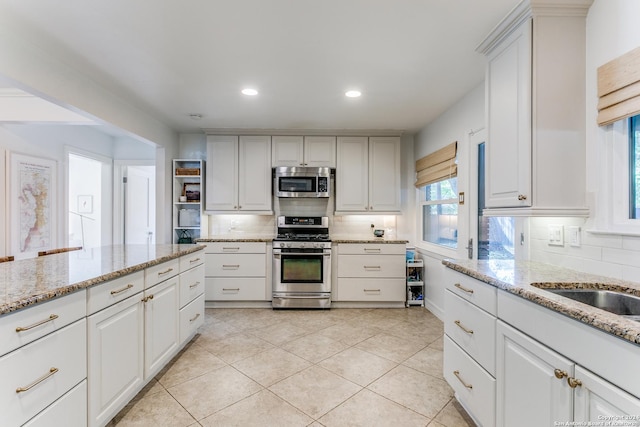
231	249
196	316
372	290
459	324
38	381
194	285
169	270
457	374
42	322
230	289
372	249
126	288
462	288
377	267
194	260
230	265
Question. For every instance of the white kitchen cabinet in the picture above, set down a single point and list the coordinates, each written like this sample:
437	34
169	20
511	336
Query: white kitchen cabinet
68	411
187	203
191	297
372	272
535	146
532	388
238	177
115	350
237	271
368	175
308	151
538	386
161	325
470	343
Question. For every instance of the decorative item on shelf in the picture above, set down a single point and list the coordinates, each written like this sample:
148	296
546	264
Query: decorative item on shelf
184	236
191	190
188	171
189	218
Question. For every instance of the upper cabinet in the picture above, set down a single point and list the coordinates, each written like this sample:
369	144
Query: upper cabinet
535	103
368	175
238	174
308	151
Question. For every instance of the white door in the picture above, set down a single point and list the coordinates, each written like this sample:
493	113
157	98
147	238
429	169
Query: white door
139	206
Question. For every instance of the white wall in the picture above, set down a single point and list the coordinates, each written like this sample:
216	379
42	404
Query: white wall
612	30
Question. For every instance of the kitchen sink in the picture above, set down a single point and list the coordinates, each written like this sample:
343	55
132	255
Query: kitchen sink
614	302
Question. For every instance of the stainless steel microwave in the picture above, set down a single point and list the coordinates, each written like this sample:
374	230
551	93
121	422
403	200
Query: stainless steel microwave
302	182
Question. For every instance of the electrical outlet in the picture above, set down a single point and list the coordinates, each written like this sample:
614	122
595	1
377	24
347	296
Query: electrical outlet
556	235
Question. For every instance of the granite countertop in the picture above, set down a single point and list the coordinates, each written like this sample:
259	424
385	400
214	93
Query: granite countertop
518	277
27	282
237	237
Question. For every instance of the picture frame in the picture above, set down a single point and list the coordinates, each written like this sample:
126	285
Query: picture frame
191	190
85	204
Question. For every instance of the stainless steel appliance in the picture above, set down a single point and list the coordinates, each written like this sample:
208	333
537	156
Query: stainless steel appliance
302	263
302	182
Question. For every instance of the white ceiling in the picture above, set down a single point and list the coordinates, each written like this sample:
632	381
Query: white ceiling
412	59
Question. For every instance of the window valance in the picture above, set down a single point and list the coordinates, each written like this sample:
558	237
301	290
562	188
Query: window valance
437	166
619	88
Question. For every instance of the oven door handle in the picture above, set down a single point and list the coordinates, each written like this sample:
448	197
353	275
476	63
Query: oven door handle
278	255
301	297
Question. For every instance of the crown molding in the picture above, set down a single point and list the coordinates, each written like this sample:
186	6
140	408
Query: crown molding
303	132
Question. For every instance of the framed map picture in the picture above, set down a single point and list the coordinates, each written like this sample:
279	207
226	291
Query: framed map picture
32	200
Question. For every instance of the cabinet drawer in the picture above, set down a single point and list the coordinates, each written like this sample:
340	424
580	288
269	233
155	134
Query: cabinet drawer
51	366
25	326
109	293
249	289
69	411
191	260
236	248
371	290
235	265
474	330
474	387
371	266
158	273
372	249
191	284
191	318
481	294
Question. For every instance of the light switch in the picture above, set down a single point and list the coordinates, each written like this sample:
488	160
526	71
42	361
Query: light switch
556	235
573	236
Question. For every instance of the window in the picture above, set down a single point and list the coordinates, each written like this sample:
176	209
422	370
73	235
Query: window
634	167
439	205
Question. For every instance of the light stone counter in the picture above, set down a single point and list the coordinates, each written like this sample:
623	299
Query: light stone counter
236	237
24	283
517	277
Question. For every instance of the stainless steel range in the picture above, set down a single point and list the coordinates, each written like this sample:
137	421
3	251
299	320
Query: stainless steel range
302	263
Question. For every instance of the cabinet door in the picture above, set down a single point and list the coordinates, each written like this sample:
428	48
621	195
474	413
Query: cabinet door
161	327
352	174
222	173
384	174
255	173
287	151
320	151
115	358
528	391
597	400
508	84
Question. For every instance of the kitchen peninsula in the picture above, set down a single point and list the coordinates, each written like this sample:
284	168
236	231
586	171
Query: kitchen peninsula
82	332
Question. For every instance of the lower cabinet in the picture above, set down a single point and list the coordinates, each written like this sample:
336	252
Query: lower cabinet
69	411
161	325
115	358
539	387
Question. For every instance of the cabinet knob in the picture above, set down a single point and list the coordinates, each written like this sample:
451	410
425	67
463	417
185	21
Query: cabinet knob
560	374
522	197
573	383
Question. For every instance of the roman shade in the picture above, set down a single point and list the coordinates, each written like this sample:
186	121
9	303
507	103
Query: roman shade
619	88
437	166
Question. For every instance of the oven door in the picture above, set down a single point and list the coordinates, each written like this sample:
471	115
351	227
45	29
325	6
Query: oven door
301	271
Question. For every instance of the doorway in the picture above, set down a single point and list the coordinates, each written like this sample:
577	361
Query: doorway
89	200
136	202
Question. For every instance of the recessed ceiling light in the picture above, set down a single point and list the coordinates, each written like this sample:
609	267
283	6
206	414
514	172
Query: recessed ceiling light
353	93
249	91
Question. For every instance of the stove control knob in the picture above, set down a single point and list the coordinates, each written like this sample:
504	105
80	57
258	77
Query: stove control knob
288	244
282	244
302	245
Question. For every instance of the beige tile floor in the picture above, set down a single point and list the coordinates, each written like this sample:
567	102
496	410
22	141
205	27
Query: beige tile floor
340	367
